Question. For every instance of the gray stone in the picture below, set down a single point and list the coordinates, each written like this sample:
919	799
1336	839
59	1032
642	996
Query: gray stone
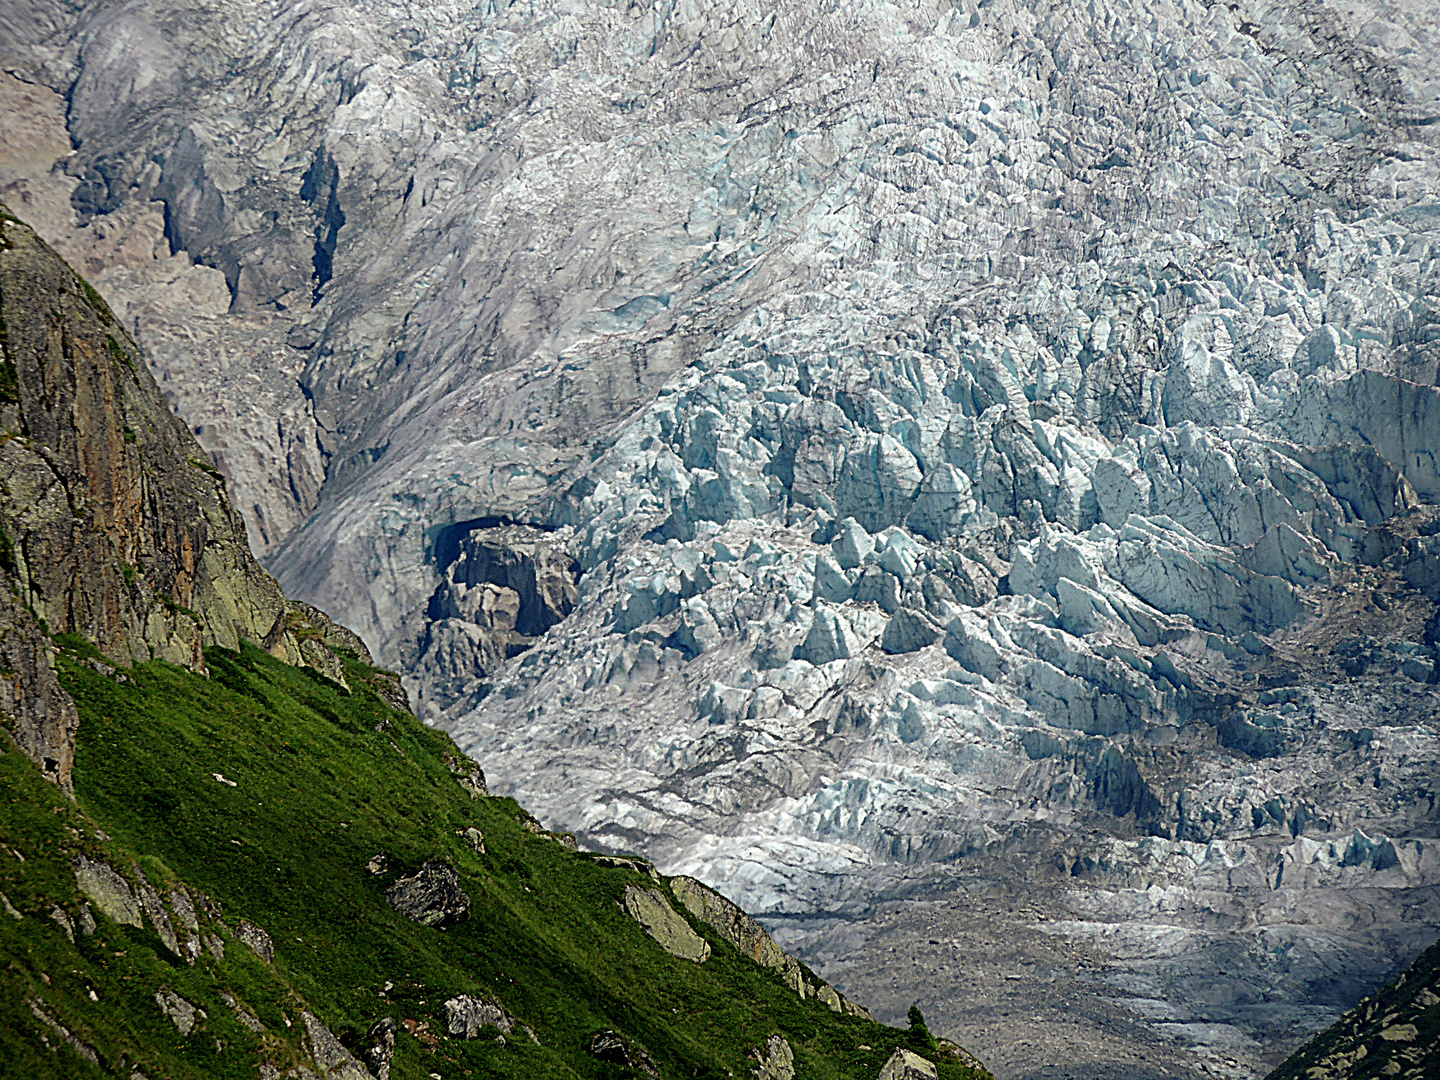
432	896
903	1065
651	910
775	1060
330	1056
155	911
465	1016
380	1047
243	1014
108	891
41	1013
63	920
180	1012
182	907
258	940
729	921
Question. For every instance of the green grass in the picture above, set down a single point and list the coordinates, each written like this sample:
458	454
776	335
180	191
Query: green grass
325	780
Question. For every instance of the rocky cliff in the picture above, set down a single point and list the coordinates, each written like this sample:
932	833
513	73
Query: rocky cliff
116	526
995	443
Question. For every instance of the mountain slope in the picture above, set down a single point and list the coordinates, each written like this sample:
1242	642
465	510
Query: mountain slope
993	440
267	795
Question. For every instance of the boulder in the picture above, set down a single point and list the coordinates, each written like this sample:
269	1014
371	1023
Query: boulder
903	1065
465	1016
159	918
747	935
651	910
776	1061
432	896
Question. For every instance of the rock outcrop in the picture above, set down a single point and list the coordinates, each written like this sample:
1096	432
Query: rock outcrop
115	523
903	1065
432	896
258	940
651	910
465	1016
613	1047
747	935
331	1057
775	1060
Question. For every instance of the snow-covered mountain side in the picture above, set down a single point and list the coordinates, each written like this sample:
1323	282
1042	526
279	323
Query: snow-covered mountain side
851	452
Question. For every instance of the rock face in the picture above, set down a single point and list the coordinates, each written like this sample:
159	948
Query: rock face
115	524
994	439
432	896
651	910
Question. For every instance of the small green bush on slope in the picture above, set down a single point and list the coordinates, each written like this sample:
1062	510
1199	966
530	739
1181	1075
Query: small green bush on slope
324	781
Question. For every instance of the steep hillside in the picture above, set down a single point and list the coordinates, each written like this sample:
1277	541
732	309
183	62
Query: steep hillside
980	454
221	896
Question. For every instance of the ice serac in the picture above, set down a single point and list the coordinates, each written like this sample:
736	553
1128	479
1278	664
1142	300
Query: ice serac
994	443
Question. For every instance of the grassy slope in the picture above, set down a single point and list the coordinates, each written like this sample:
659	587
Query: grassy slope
326	780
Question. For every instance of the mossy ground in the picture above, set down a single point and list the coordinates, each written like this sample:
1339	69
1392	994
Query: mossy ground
324	781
